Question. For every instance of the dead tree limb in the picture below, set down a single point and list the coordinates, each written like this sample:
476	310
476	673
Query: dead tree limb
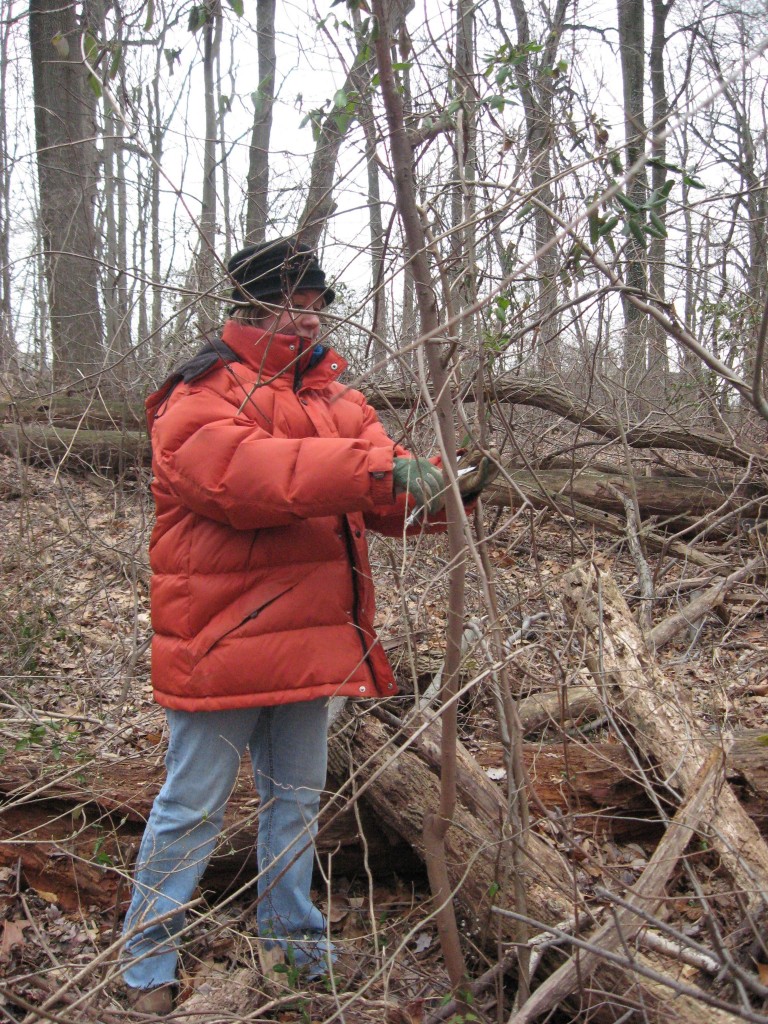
658	721
699	606
647	893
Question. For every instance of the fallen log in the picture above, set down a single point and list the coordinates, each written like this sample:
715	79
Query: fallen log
698	607
108	450
399	784
647	894
94	413
119	451
658	720
541	394
78	840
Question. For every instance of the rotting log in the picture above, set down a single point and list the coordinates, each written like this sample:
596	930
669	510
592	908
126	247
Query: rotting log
658	720
76	830
700	605
647	895
109	451
118	451
398	779
541	394
93	413
77	838
87	411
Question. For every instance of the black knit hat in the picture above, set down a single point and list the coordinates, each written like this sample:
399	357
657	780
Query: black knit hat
269	270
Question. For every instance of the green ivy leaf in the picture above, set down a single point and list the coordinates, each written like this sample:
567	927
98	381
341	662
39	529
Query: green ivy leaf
658	223
627	203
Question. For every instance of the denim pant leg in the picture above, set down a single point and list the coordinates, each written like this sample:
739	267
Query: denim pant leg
289	749
202	763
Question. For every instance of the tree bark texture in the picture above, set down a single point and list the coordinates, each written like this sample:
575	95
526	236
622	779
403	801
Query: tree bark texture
263	101
657	719
66	164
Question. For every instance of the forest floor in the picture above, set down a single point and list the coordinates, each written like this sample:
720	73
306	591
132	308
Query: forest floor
75	689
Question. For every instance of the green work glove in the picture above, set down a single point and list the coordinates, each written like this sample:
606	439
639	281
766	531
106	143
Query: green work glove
421	479
476	471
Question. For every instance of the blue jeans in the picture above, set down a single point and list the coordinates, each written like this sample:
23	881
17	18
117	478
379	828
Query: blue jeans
288	748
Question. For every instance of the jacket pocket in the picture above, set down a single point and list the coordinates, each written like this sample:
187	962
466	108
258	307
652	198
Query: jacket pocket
236	618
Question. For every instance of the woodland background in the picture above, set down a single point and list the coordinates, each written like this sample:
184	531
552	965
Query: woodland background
546	223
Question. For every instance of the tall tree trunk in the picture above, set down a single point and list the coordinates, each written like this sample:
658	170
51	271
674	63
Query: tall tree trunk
631	15
658	362
206	262
536	90
7	341
66	160
263	99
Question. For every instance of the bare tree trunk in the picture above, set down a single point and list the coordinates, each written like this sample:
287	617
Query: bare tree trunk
536	90
66	160
264	98
206	260
658	362
320	204
7	340
632	52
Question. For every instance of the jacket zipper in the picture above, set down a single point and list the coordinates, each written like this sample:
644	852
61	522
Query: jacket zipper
355	593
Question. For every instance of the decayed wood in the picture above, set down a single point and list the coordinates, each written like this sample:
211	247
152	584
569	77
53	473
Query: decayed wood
700	605
77	841
401	784
646	894
77	832
71	411
110	451
659	720
115	451
541	394
664	496
86	410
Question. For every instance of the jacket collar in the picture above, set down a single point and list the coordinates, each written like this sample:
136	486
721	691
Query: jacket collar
276	355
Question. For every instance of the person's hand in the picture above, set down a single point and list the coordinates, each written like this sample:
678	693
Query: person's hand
476	470
421	479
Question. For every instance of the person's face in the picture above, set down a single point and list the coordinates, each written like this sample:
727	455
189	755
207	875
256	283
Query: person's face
298	318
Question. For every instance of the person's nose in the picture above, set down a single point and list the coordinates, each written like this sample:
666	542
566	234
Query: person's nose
309	321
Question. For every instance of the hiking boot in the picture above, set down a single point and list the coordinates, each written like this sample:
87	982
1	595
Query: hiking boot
155	1001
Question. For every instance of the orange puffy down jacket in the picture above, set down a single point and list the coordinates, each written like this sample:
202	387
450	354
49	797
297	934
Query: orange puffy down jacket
266	473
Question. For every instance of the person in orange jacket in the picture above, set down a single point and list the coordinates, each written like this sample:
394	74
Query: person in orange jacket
266	473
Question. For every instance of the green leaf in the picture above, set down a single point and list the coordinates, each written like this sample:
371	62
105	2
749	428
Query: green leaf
656	162
627	203
660	195
114	66
658	223
95	86
342	121
198	15
60	45
339	99
607	227
497	103
237	6
594	228
403	66
91	47
453	106
636	230
692	182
